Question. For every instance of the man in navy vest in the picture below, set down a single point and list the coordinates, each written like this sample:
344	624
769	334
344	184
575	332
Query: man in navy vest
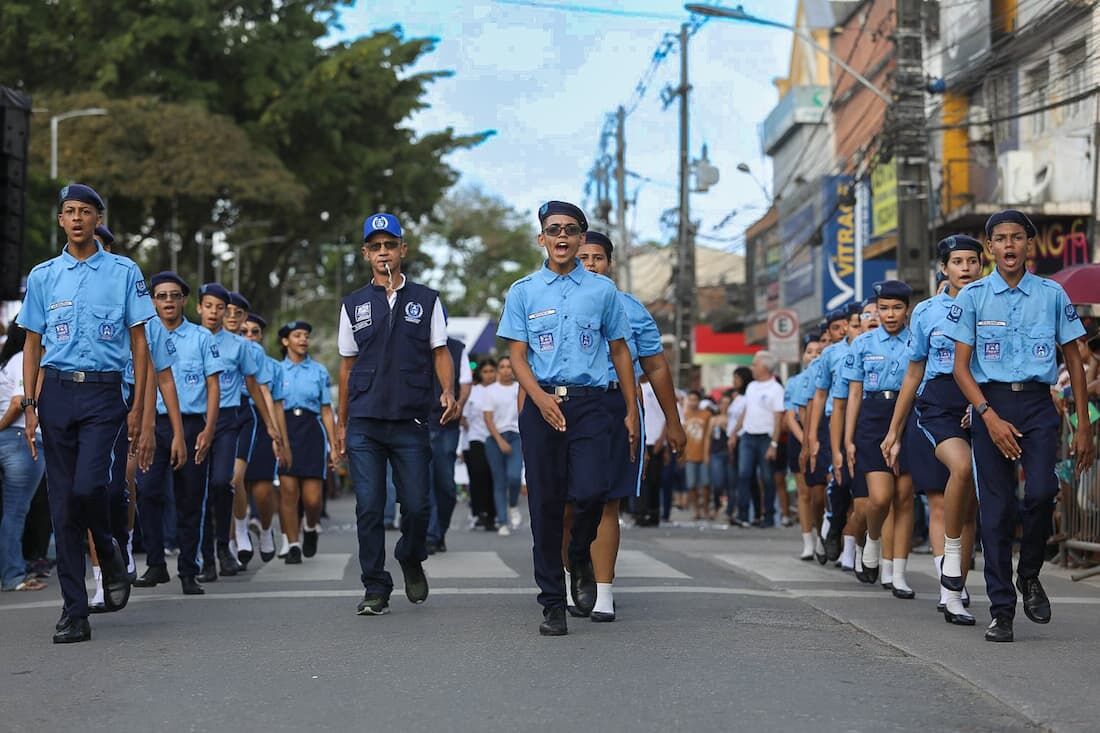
392	337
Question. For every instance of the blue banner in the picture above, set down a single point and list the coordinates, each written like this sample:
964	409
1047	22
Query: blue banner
839	247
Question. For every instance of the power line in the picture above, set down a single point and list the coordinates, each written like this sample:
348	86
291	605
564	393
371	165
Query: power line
569	8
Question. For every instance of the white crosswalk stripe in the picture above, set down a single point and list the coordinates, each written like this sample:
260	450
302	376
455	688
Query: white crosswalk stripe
320	567
637	564
467	565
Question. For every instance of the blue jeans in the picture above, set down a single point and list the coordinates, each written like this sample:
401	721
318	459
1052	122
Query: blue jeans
718	469
389	515
371	444
21	477
506	470
443	494
752	462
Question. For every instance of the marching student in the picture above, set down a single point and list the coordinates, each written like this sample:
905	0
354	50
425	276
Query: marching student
1006	328
939	446
811	504
557	322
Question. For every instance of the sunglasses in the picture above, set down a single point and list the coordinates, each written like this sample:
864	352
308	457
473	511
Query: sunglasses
174	295
377	245
571	230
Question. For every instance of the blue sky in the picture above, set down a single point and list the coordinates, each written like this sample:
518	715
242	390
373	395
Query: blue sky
545	78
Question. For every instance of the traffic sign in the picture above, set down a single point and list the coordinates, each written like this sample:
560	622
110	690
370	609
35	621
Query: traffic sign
783	335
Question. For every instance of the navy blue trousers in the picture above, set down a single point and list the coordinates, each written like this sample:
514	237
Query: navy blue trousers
81	424
570	466
405	446
1034	415
120	492
219	499
188	489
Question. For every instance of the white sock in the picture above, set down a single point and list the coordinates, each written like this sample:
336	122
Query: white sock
97	574
953	601
819	545
569	590
872	552
826	523
307	528
857	560
899	573
847	557
286	544
131	566
952	557
244	542
937	563
807	544
886	574
267	540
605	601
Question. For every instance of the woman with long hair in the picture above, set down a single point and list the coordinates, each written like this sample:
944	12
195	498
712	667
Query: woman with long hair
477	463
504	449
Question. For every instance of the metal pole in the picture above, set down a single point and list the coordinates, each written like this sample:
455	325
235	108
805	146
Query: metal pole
53	176
1095	176
626	277
685	291
911	151
237	269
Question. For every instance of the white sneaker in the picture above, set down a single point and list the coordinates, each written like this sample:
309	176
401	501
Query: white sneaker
504	531
515	518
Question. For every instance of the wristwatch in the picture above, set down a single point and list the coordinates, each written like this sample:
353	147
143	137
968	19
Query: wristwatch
774	444
28	402
982	408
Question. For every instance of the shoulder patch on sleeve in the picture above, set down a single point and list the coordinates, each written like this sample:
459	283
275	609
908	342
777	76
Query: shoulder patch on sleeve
1071	313
955	313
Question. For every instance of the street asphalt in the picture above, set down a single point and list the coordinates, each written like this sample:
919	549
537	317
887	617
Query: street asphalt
718	629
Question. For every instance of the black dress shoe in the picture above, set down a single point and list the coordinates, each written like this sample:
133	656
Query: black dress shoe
868	575
97	608
958	619
582	582
191	586
73	630
603	617
416	584
293	555
952	582
553	622
1000	630
1035	601
575	612
228	565
244	557
153	576
821	557
309	542
832	546
116	580
208	575
905	594
61	622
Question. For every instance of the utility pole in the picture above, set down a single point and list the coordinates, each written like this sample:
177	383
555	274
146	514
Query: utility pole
685	247
626	277
911	151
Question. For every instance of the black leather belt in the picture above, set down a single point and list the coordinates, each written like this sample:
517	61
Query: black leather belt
567	392
613	387
886	394
1031	386
82	377
299	411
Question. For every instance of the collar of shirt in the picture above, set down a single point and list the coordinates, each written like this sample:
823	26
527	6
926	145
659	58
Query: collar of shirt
93	262
292	364
576	274
999	285
181	328
383	287
884	335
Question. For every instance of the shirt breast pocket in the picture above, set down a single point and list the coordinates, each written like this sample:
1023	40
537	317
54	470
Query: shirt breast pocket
59	324
189	372
588	335
873	373
991	343
941	350
107	322
543	332
1041	344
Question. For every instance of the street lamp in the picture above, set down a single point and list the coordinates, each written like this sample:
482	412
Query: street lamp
54	122
738	13
744	168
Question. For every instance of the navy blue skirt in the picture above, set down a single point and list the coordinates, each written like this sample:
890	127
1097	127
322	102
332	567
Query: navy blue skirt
794	450
625	475
929	475
871	428
246	438
819	476
940	409
262	465
308	445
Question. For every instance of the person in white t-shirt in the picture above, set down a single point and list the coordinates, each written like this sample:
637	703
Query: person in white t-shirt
477	464
21	471
503	449
757	436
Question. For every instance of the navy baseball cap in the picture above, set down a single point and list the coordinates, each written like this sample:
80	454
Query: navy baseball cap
169	277
1010	216
105	235
82	193
563	207
286	328
594	237
254	318
381	222
215	289
893	290
239	300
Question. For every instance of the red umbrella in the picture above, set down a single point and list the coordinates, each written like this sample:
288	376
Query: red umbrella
1082	283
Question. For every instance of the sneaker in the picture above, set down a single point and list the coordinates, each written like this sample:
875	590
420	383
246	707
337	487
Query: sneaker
294	555
373	604
309	543
515	518
503	531
416	585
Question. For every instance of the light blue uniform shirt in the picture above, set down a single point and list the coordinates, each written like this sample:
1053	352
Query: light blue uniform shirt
306	385
1013	330
565	320
802	391
643	340
790	389
828	373
269	372
84	310
158	353
879	360
238	361
193	354
928	339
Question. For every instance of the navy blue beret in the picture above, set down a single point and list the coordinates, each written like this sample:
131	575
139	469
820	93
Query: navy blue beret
562	207
810	338
838	314
594	237
169	277
854	309
82	193
256	319
958	243
105	235
286	328
1010	216
893	290
869	301
215	289
239	300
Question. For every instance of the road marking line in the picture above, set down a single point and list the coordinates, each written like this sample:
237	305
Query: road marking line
638	564
453	564
319	568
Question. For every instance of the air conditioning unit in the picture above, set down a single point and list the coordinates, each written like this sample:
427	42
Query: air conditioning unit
1020	181
978	128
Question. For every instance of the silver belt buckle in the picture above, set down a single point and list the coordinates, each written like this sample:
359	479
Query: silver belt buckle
561	391
889	395
1016	386
297	412
78	377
